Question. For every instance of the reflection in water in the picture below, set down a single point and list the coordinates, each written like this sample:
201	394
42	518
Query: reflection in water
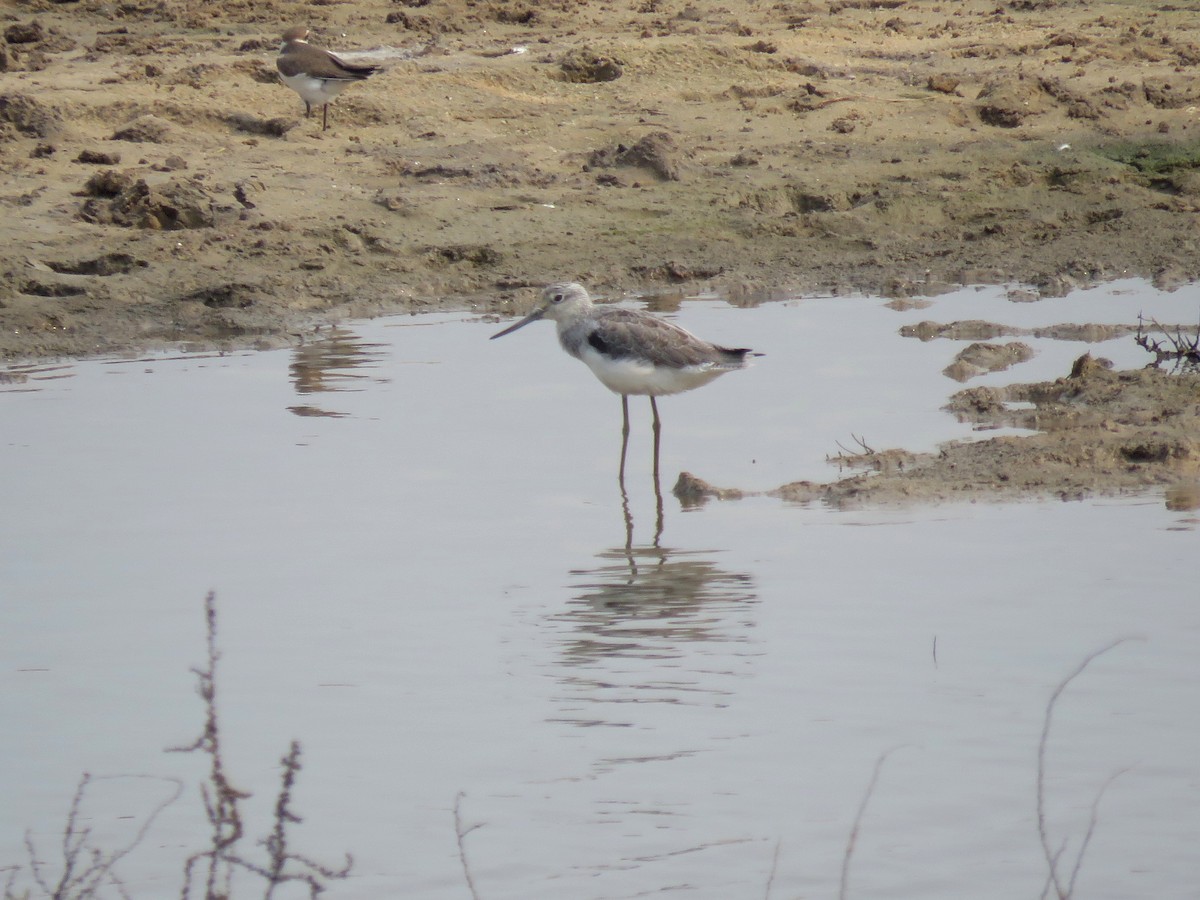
626	510
649	603
24	377
651	624
330	365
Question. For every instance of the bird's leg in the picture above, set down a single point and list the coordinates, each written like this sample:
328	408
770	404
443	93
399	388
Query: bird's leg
307	110
325	117
624	437
657	433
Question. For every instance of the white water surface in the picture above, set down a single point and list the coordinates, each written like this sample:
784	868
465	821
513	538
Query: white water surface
419	549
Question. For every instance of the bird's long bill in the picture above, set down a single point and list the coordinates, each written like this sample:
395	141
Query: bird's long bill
532	317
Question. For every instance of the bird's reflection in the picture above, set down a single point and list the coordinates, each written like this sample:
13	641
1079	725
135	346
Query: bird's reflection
627	510
651	624
646	601
335	363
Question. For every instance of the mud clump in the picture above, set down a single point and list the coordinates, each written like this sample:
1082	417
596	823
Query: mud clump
273	127
107	183
1169	93
482	255
144	130
30	117
656	152
980	358
25	32
100	266
585	66
98	158
172	206
224	296
1008	103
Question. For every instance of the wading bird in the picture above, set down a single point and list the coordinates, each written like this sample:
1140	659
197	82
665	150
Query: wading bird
631	352
316	75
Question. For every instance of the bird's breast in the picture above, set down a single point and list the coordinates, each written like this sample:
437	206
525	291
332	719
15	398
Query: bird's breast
313	89
637	376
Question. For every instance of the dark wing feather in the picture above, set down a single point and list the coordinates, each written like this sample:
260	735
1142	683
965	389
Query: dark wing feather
629	334
355	70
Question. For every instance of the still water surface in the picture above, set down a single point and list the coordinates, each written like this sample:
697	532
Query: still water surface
426	573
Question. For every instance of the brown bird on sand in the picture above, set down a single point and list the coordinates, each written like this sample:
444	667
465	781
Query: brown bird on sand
316	75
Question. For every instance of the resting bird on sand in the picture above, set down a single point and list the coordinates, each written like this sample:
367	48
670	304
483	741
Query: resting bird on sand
316	75
631	352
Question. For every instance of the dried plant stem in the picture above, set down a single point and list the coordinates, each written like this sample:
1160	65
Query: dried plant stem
774	869
852	840
221	805
460	833
1064	890
85	868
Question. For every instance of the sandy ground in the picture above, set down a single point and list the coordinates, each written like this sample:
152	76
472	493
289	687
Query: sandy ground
162	188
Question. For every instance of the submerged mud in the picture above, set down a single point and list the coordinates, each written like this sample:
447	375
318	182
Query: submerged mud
1098	431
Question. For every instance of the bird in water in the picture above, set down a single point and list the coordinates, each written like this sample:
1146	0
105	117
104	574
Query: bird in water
631	352
316	75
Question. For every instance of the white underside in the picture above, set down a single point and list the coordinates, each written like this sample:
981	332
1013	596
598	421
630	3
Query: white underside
631	376
314	91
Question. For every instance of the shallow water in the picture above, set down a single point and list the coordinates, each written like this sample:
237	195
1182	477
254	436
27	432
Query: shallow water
427	574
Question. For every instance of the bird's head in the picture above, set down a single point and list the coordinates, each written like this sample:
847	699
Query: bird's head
297	34
561	302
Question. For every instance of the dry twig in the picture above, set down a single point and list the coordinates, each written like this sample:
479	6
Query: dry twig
852	840
1064	889
1180	349
461	833
87	869
221	801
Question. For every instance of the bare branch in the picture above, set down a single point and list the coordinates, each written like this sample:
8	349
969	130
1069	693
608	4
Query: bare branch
774	869
460	834
1064	891
86	868
852	840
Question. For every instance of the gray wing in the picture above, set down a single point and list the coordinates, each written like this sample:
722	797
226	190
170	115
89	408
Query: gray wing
628	334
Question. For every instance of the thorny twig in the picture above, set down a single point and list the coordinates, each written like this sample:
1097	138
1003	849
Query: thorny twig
276	844
85	869
221	801
220	796
1054	878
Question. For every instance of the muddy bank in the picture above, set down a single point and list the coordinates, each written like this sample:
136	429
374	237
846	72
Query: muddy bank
1098	432
162	187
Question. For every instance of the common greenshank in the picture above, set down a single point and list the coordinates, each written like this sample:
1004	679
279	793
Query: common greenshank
631	352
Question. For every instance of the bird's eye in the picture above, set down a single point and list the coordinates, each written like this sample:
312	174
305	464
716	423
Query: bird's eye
557	298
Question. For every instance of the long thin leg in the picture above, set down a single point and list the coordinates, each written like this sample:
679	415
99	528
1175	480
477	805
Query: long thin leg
307	110
324	116
657	433
624	436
